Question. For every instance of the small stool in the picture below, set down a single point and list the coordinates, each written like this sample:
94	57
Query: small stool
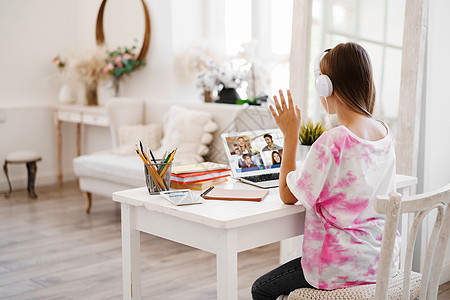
29	158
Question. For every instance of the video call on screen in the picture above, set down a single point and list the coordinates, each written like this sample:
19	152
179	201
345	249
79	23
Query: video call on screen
256	152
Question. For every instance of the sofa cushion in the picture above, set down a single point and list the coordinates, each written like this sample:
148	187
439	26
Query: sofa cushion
189	131
126	169
130	135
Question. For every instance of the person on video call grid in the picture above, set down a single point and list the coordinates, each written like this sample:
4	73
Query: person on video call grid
276	158
270	145
248	161
242	146
346	167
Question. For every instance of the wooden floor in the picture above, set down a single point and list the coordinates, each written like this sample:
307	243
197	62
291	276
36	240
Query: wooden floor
51	249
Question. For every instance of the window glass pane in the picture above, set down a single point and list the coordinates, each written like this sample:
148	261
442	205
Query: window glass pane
281	26
342	16
375	52
238	25
316	10
391	83
395	20
280	78
332	40
371	18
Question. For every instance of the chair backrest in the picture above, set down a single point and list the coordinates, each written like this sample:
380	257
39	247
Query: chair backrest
123	111
422	204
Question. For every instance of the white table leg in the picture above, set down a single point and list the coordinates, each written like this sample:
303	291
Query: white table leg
290	249
227	265
131	243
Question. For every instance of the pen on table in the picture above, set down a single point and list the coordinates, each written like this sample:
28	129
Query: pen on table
207	191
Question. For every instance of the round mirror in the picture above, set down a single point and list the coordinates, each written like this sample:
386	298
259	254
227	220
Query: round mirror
125	33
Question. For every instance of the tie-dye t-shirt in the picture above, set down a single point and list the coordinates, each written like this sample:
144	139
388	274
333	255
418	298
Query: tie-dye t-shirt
337	184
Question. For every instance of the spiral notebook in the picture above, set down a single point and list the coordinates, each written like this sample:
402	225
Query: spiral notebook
235	195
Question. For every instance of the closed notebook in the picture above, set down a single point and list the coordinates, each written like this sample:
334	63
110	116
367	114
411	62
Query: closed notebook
199	167
238	195
198	186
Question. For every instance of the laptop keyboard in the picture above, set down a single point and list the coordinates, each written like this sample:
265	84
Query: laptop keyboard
262	177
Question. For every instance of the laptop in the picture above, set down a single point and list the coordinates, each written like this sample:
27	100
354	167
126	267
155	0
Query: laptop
255	156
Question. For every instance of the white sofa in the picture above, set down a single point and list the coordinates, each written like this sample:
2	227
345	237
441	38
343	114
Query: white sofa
106	172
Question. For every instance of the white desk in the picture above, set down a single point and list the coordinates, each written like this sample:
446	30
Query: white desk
220	227
81	115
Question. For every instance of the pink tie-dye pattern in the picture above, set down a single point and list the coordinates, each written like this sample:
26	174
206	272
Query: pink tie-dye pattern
304	184
367	158
333	253
342	230
345	182
373	268
323	158
344	141
354	207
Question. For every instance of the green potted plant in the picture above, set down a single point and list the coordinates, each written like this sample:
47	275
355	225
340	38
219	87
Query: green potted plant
308	134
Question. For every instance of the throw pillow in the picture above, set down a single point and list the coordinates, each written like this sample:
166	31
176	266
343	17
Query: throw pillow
189	131
130	135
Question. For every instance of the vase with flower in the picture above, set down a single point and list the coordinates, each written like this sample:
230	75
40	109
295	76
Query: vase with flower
120	62
223	80
85	67
66	93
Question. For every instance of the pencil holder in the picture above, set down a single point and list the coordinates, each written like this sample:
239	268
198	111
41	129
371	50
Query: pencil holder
157	177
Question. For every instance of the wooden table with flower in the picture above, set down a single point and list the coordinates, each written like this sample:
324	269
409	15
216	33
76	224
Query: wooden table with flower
80	115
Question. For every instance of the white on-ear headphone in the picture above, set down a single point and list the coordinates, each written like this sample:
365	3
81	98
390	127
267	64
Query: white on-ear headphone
323	84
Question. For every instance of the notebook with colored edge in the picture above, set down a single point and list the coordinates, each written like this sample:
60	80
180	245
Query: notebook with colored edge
198	186
198	167
199	176
236	195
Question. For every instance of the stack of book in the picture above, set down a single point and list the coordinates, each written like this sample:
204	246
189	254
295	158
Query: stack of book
198	176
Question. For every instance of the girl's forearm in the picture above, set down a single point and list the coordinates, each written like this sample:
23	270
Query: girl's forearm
288	164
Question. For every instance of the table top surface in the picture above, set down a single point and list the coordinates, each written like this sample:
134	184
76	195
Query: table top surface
79	108
224	214
214	213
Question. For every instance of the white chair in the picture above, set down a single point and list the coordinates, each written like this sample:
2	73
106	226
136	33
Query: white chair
415	285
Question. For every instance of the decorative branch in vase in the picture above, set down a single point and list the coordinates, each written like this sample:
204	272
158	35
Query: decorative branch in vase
85	67
120	62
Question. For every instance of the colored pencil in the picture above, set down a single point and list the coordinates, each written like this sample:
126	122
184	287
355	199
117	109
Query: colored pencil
166	167
158	180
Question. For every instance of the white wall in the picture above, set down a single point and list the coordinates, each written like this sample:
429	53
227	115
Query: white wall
437	127
32	33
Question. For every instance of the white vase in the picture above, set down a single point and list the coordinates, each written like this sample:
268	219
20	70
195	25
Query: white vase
304	150
66	94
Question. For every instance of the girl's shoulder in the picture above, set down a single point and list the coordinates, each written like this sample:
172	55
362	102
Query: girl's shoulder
330	136
341	134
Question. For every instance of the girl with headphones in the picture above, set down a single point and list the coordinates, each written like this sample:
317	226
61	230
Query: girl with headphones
344	170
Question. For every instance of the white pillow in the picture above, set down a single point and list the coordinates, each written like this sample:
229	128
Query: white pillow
130	135
190	131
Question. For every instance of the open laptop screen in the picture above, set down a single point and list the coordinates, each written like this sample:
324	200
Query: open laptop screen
254	152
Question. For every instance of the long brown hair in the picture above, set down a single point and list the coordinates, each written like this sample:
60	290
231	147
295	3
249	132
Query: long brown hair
350	70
